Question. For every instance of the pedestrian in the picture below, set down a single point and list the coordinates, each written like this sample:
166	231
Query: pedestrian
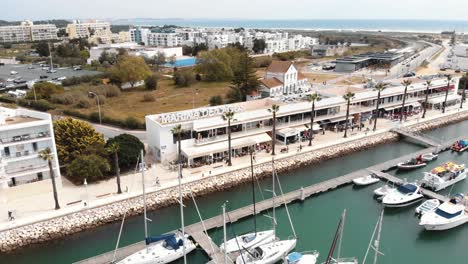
253	158
10	216
300	147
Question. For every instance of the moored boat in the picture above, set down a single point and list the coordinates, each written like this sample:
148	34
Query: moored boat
384	190
249	240
443	176
429	157
404	195
366	180
448	215
460	145
412	164
428	206
268	253
302	258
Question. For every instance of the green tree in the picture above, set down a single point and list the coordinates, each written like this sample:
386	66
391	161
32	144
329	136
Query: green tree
47	155
73	137
44	90
89	167
463	84
348	97
42	48
274	109
129	148
229	116
405	83
198	48
312	98
259	46
428	85
184	78
177	130
151	82
113	149
215	65
449	81
108	57
245	78
379	87
159	60
216	100
130	69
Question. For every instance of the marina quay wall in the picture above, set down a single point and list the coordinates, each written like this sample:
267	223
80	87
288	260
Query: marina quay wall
63	226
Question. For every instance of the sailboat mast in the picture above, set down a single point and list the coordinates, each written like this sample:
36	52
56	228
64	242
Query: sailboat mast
224	231
181	209
253	191
274	195
377	241
333	245
341	234
142	167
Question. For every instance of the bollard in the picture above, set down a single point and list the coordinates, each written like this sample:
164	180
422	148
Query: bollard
302	194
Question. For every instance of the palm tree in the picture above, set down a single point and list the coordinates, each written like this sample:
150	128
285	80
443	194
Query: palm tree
46	154
229	116
449	79
348	97
177	130
312	98
428	84
465	83
379	87
406	83
274	109
114	148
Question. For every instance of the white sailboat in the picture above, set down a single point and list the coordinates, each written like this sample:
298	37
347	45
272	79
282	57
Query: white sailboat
376	245
338	239
249	240
274	251
164	248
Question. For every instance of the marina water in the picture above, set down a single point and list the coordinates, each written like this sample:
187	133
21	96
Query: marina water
315	219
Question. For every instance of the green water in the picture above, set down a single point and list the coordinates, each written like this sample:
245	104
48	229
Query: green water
315	219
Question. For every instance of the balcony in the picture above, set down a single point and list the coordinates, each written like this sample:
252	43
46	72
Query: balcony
24	138
21	155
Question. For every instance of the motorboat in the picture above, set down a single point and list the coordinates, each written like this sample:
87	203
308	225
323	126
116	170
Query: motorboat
302	258
366	180
404	195
267	254
429	157
249	240
443	176
460	145
384	190
428	206
448	215
161	249
412	164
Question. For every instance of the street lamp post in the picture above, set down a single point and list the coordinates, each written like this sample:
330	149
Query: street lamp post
92	94
87	194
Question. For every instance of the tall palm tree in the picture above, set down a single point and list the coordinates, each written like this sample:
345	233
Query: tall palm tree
465	83
312	98
229	116
379	87
449	79
46	154
274	109
348	97
428	85
177	130
406	83
113	149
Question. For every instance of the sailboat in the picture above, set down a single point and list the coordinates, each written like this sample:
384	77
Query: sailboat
274	251
337	240
249	240
375	247
164	248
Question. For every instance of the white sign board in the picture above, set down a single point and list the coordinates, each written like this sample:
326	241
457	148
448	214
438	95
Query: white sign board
197	113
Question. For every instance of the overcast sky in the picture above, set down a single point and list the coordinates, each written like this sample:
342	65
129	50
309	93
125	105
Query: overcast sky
247	9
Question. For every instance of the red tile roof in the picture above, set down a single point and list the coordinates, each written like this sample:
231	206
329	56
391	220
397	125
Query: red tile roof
271	82
279	66
300	76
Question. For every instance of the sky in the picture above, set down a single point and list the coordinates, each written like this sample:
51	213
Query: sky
235	9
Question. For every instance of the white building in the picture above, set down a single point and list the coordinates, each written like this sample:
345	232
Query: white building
23	134
133	49
27	32
95	32
204	139
164	39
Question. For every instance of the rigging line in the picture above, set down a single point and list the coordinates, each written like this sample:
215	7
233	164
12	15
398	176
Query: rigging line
285	205
125	213
261	193
370	242
237	241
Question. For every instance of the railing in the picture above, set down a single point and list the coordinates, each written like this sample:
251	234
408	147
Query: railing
25	168
19	154
24	137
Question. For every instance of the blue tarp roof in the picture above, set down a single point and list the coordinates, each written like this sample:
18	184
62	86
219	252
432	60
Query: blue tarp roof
407	188
294	257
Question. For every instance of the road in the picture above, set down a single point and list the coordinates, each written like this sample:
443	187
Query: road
109	132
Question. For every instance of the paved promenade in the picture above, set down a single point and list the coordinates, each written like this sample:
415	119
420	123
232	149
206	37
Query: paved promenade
34	202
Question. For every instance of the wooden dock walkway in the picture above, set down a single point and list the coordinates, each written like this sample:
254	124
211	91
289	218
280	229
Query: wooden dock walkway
215	253
417	137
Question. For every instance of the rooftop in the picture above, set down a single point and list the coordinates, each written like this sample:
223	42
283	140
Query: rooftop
271	82
279	66
17	116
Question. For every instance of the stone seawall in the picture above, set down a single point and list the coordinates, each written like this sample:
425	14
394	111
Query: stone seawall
66	225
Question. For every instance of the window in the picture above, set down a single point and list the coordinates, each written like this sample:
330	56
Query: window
7	151
34	144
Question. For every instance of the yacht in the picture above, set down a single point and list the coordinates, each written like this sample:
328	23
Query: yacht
249	240
448	215
302	258
443	176
268	253
404	195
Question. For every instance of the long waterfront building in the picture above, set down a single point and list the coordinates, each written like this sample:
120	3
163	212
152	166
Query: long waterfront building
27	32
23	134
205	131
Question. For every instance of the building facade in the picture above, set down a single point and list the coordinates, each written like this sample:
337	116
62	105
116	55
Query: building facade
28	32
95	32
23	134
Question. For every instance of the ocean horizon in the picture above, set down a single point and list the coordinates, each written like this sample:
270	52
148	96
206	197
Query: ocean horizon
385	25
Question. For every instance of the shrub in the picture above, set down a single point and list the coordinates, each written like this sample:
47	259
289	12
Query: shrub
112	91
83	102
40	105
94	117
44	90
216	100
132	122
7	100
102	99
89	167
148	97
129	150
183	78
263	61
65	99
151	82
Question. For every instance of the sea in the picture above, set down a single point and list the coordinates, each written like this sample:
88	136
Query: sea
384	25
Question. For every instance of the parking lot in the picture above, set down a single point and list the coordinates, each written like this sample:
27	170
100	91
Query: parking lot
31	73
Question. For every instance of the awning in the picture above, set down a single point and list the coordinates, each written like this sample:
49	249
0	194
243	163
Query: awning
288	132
441	99
307	127
206	150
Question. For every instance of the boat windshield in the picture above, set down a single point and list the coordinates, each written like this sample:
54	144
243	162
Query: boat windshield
407	188
249	238
446	215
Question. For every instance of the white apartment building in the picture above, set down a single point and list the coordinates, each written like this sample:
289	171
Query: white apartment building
164	39
133	49
27	32
23	134
95	32
205	139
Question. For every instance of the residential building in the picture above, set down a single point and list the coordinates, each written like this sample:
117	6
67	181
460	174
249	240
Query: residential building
164	39
95	32
133	49
139	35
328	50
23	134
28	32
205	136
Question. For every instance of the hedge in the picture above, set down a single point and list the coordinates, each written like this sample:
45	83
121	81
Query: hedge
129	122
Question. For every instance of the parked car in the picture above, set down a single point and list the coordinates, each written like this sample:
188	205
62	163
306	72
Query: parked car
30	67
19	81
51	71
61	78
13	72
77	68
43	77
